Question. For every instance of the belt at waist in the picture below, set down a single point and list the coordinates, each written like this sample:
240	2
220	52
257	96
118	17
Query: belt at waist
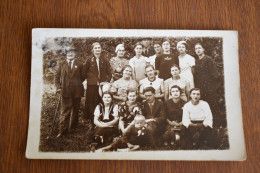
197	122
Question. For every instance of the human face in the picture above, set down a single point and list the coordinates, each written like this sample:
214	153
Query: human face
97	49
175	71
182	48
138	50
166	46
150	72
121	52
132	96
127	72
157	48
175	93
199	50
139	123
146	43
107	99
195	95
149	96
71	55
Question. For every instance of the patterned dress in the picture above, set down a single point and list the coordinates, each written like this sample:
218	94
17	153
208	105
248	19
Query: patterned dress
121	86
205	78
127	112
116	62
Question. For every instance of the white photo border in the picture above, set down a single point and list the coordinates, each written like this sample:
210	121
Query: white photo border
236	150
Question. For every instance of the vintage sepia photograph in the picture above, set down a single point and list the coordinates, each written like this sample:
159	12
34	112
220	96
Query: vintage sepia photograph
135	94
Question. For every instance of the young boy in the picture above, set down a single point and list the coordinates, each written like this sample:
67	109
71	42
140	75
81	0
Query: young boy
137	136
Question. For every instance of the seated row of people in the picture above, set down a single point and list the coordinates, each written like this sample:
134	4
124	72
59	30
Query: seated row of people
149	123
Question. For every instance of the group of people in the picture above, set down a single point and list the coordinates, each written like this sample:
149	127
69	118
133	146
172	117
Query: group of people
155	98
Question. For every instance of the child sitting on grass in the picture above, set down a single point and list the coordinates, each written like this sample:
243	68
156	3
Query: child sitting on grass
136	137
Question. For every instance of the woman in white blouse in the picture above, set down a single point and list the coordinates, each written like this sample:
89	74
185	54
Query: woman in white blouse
152	81
186	63
106	120
197	118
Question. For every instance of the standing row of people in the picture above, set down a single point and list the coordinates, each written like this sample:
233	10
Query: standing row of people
161	72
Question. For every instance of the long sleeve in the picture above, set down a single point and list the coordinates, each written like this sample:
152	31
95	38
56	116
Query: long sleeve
186	116
85	69
208	120
108	71
157	62
213	68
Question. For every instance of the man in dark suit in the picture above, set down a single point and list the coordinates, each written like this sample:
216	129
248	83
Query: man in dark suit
148	50
68	79
154	112
96	70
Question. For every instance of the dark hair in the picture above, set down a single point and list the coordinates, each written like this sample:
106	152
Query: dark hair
137	44
157	42
131	91
147	89
107	92
175	86
155	72
166	39
175	65
94	44
200	45
194	89
126	66
149	66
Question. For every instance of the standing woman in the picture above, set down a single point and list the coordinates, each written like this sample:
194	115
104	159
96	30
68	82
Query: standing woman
138	63
96	70
206	75
176	79
122	85
152	81
118	62
164	62
106	120
186	63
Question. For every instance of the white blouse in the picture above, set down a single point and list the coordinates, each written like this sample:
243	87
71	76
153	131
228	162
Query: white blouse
157	84
199	112
106	112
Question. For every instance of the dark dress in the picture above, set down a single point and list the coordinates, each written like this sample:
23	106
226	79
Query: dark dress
173	113
163	63
127	113
206	76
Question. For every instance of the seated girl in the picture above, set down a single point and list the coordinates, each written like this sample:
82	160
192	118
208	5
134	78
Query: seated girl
122	85
173	109
197	118
176	79
136	137
106	120
128	110
152	81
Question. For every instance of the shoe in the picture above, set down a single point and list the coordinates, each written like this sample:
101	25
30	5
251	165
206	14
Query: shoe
59	135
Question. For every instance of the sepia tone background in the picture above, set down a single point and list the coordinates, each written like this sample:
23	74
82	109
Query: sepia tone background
17	18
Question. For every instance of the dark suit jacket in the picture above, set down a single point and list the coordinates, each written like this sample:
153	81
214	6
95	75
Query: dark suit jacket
150	52
91	71
158	112
70	81
131	136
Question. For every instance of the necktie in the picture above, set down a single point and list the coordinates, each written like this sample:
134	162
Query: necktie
70	62
151	107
